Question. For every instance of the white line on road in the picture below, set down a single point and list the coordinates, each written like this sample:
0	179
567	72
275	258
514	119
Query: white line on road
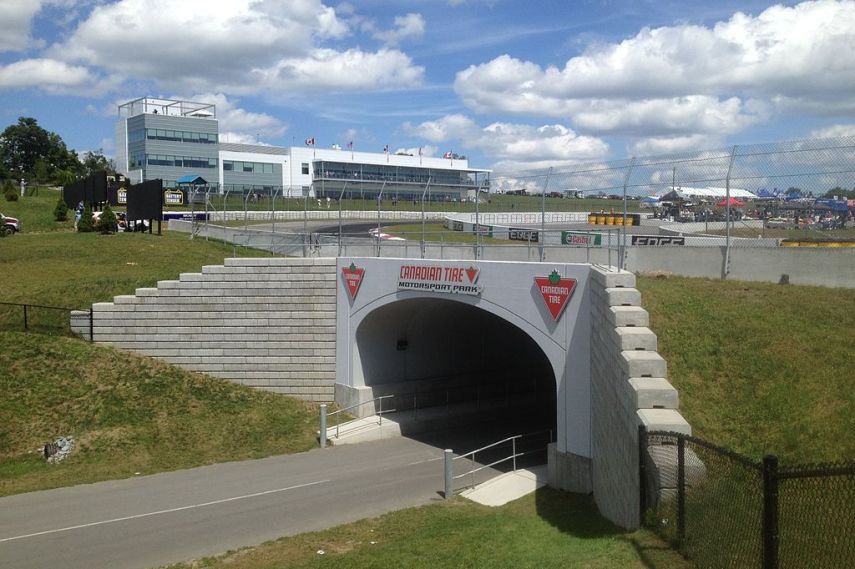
149	514
426	460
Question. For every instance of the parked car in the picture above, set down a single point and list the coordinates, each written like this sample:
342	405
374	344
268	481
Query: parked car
9	224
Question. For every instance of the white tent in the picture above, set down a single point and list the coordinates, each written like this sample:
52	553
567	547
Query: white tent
709	194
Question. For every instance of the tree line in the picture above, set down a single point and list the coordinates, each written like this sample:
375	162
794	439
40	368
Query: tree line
38	156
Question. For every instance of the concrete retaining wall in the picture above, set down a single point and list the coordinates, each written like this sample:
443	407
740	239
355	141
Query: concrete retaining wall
266	323
628	388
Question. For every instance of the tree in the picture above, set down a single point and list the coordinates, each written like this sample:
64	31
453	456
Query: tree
84	224
60	212
10	191
95	161
26	149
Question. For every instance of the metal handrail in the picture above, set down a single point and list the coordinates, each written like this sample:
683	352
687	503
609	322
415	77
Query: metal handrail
324	416
449	460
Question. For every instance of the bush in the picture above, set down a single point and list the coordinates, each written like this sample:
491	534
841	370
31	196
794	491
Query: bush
84	224
107	223
10	191
60	212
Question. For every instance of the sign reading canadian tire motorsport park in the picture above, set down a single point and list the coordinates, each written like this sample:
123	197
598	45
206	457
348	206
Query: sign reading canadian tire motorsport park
452	279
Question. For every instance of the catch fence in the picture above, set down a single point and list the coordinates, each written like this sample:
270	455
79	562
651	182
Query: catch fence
721	509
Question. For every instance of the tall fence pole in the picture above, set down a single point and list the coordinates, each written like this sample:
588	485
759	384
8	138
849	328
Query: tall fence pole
91	325
543	216
427	187
340	197
622	244
642	474
449	474
725	269
681	489
323	432
770	512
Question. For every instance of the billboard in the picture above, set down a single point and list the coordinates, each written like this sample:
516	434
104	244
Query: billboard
145	200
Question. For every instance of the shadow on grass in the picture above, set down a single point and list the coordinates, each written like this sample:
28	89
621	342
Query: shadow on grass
577	515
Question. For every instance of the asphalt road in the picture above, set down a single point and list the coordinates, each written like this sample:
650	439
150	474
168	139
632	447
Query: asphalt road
175	516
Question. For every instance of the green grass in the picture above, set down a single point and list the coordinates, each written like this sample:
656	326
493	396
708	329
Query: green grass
543	530
760	367
36	212
129	414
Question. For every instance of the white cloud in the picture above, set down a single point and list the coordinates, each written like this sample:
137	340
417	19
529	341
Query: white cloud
411	26
239	124
835	131
49	74
674	144
686	80
241	46
16	17
327	69
426	150
517	146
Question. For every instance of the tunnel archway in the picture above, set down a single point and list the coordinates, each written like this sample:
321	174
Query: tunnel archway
438	352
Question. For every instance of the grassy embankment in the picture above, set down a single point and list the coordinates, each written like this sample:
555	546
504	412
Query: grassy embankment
128	414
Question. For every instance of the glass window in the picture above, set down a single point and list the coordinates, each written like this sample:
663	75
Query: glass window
228	165
267	168
248	167
305	167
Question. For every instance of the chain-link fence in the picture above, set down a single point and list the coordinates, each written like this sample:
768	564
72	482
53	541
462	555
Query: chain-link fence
721	509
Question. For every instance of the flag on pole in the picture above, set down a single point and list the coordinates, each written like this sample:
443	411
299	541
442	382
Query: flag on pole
350	147
310	141
386	151
448	155
420	155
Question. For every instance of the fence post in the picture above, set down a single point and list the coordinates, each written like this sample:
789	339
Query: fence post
642	474
323	425
26	326
681	489
449	473
91	325
770	512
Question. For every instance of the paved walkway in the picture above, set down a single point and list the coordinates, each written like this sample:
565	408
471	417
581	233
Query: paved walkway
169	517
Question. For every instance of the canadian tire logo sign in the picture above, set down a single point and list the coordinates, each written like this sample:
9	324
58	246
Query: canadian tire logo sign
352	278
556	292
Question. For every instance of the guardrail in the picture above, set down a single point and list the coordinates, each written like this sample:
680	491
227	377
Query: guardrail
450	477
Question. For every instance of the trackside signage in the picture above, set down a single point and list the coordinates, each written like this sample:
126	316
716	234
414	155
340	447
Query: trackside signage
352	278
556	292
581	239
451	279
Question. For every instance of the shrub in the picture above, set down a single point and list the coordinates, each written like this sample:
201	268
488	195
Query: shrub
107	223
60	212
84	224
10	192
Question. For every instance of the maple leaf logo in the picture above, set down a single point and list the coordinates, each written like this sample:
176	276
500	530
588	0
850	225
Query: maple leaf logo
554	278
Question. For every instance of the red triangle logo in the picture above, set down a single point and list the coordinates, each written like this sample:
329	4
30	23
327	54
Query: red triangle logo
472	273
352	278
555	292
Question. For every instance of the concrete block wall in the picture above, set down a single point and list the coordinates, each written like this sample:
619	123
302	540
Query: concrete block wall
268	323
628	388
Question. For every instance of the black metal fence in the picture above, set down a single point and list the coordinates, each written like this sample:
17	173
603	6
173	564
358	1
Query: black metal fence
51	320
722	509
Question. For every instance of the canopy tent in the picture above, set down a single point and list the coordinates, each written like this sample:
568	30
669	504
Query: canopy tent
733	203
192	179
708	194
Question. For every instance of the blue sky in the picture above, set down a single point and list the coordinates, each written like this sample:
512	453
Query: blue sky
510	84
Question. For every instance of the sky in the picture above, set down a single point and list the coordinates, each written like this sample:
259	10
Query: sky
512	85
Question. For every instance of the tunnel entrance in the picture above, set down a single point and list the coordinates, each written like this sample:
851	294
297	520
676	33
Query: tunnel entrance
467	372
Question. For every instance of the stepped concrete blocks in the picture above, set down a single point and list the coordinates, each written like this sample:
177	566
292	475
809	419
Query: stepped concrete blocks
623	316
642	364
663	420
613	279
652	393
633	338
623	297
